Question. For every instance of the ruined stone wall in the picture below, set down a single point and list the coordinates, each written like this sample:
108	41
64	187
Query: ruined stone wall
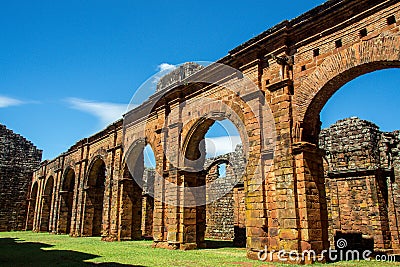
18	159
148	203
219	214
297	65
177	75
359	172
391	147
95	164
226	214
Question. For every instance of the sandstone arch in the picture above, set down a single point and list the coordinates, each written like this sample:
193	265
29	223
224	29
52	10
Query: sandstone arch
296	65
378	53
47	202
130	208
66	201
314	90
94	197
136	191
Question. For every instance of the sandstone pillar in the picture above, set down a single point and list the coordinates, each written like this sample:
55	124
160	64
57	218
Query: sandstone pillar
311	197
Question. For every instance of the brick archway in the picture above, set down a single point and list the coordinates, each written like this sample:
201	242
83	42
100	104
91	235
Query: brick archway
296	67
66	201
238	112
192	174
130	207
218	162
94	198
225	217
378	53
136	193
313	91
47	203
134	157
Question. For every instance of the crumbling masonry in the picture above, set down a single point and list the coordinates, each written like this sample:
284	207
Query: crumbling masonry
18	159
361	166
289	204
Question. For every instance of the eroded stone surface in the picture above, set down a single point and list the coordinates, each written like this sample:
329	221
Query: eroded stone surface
361	186
18	159
297	66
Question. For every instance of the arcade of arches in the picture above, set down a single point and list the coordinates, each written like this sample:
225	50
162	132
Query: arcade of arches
285	201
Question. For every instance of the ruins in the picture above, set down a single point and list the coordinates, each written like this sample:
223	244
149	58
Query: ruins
361	165
18	159
312	187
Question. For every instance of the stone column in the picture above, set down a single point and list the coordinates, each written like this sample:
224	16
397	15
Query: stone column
394	210
76	193
107	196
36	208
281	200
172	193
120	207
173	210
114	208
80	190
147	216
40	201
159	229
193	210
311	197
55	210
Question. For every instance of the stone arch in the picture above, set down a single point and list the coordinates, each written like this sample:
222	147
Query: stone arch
94	188
136	194
32	206
134	155
66	200
225	217
130	211
93	161
316	89
218	162
219	110
228	160
134	161
136	147
195	129
193	153
47	203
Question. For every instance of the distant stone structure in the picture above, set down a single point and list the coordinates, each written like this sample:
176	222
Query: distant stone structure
225	217
18	159
177	75
362	167
148	203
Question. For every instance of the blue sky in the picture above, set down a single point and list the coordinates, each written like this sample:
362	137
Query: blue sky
68	68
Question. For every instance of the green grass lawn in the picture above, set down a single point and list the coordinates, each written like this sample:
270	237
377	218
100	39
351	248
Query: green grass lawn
43	249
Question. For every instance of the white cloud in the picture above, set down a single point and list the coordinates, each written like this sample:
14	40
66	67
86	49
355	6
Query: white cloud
106	112
166	67
216	146
8	101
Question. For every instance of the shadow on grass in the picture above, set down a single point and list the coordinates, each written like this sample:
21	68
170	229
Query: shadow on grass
215	244
15	252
